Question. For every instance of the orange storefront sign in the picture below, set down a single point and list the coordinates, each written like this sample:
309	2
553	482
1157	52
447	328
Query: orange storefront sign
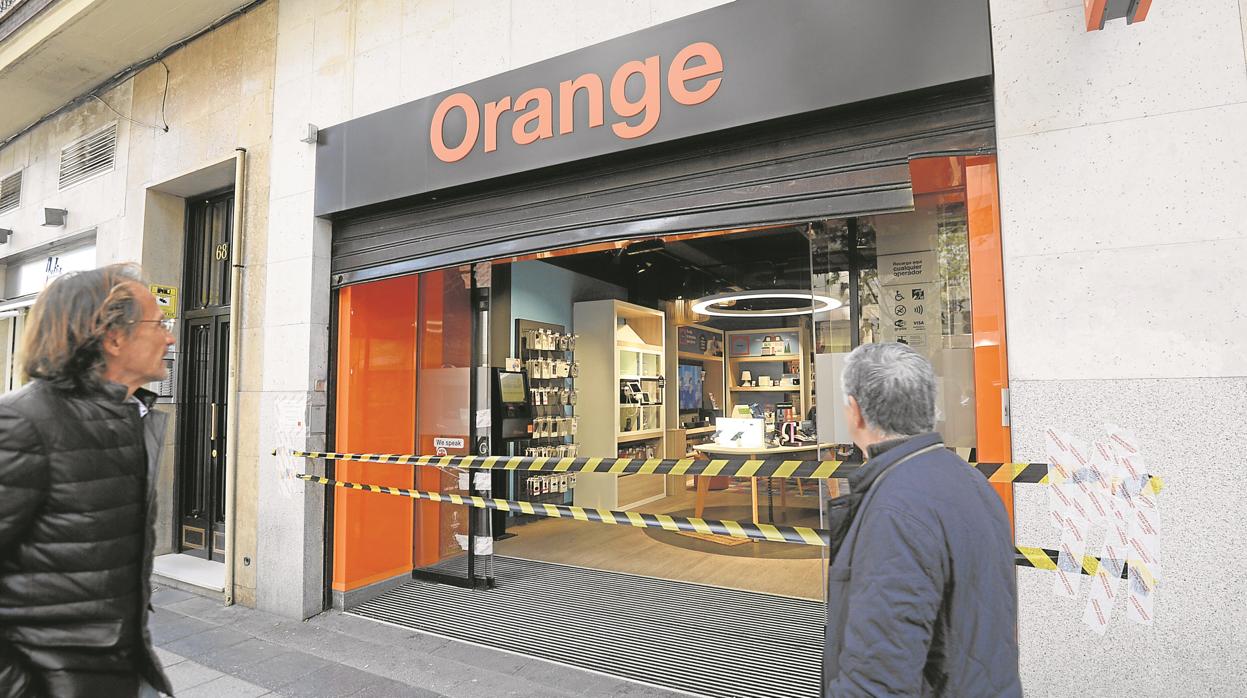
1097	12
536	110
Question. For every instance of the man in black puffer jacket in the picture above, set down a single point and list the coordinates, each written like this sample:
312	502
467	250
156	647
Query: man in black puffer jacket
78	448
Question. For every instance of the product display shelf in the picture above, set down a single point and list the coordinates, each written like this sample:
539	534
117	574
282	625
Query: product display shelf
778	355
769	389
698	346
621	410
699	357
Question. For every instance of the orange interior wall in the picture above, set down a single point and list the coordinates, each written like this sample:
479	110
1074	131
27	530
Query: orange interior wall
987	293
376	404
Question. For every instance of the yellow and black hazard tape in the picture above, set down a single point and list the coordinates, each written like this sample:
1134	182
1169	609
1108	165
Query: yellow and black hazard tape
734	467
1025	556
1046	559
1021	473
1018	473
754	531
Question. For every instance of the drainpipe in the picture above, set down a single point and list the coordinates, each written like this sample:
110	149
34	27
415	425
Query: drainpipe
231	381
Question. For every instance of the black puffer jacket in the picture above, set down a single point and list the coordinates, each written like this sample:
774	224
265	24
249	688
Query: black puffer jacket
77	506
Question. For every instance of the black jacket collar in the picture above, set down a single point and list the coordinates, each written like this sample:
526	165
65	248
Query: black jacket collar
116	392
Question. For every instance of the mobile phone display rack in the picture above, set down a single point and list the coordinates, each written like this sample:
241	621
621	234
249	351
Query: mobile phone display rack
548	356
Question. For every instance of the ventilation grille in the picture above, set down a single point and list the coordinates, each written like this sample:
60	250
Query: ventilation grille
88	156
11	192
6	5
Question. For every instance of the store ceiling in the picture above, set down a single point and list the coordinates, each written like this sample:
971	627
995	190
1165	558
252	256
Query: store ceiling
763	259
71	46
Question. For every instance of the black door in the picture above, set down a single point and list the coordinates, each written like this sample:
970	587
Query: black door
204	353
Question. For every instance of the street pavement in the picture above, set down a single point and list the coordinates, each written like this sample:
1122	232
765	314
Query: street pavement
237	652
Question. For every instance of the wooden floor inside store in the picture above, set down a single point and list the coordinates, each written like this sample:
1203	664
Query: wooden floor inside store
773	568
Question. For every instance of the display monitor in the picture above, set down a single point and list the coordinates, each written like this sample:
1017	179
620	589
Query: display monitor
511	388
690	387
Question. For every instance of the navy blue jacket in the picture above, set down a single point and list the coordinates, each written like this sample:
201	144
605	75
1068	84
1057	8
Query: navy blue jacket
922	598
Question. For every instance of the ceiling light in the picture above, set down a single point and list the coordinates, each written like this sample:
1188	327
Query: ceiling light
812	303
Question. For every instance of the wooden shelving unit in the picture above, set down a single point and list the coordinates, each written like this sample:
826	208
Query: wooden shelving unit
771	389
782	367
713	382
611	355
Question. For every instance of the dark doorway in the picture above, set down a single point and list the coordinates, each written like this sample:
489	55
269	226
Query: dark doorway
204	348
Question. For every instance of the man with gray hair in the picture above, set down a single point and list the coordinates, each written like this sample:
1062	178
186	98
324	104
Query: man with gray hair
922	599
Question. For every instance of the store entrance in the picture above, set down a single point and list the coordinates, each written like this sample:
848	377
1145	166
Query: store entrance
728	344
719	344
632	349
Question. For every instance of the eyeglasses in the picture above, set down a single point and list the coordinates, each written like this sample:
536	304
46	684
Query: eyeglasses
166	323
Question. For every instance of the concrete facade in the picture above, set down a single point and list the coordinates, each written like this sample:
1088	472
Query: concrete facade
1122	156
219	98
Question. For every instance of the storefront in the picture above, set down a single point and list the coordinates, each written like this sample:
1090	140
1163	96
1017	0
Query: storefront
25	275
612	252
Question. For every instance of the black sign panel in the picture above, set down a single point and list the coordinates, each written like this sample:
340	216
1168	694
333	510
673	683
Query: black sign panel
746	62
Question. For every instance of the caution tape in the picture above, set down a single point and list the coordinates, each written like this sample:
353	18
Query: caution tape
1046	559
733	467
1021	473
1025	556
754	531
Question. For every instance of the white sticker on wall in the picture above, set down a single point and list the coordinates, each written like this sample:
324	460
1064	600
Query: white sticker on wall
484	544
291	433
1109	485
1107	580
1069	560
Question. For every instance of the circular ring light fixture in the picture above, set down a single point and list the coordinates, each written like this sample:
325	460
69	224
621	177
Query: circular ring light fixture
812	303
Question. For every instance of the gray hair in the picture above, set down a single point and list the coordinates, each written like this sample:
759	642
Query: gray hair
894	386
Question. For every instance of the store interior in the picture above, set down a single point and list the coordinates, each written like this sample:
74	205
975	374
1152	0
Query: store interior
712	345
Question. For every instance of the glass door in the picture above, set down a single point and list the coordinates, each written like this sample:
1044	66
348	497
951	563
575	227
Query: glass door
451	542
907	277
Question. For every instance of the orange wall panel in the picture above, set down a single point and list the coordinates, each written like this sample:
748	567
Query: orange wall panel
991	364
376	403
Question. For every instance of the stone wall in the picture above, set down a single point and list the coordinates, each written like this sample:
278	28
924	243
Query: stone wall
1122	158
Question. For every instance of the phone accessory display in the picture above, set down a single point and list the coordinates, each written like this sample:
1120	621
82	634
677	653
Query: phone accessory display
644	396
547	355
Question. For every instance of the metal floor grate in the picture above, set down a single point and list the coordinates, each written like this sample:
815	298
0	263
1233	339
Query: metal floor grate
687	637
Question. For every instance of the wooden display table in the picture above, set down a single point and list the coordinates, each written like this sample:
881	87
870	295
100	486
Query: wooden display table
717	451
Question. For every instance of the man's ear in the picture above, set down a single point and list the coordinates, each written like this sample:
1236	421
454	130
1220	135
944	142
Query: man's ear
112	343
853	414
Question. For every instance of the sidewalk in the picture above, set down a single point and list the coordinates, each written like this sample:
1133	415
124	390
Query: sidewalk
213	650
